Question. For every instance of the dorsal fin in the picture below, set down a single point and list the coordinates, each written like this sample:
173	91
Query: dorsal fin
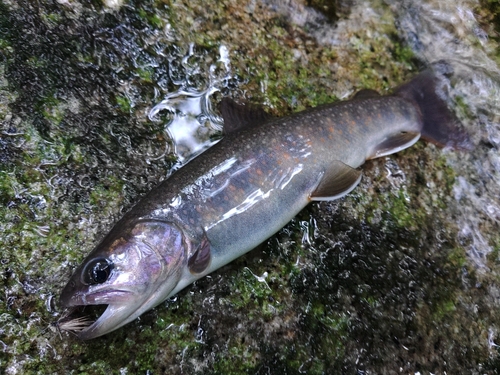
366	94
237	116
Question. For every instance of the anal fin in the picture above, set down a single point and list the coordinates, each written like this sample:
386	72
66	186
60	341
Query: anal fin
339	180
394	144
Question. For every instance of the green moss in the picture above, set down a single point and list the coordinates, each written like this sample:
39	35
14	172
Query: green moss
457	258
400	210
123	103
237	360
397	209
327	345
152	18
402	52
146	74
296	84
279	70
493	257
333	321
4	44
443	310
107	195
446	175
51	19
36	62
248	293
52	109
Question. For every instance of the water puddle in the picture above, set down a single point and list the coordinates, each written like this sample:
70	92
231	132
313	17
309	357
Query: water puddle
187	113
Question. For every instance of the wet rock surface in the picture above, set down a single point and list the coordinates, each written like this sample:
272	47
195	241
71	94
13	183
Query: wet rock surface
401	276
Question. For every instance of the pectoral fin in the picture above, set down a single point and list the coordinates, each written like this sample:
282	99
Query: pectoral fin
201	258
394	144
339	180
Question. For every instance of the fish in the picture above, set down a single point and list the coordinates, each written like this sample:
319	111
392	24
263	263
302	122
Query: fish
247	187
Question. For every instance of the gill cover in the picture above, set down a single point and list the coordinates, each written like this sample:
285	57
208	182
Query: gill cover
134	273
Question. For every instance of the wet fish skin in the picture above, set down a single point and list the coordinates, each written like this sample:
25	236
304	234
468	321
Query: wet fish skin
244	189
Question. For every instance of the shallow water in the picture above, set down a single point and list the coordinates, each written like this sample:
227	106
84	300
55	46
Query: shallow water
401	276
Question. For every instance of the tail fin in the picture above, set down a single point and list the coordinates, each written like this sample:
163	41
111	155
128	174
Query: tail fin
440	126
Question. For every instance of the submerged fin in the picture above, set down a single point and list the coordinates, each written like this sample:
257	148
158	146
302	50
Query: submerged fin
440	125
201	258
339	180
237	116
366	94
395	144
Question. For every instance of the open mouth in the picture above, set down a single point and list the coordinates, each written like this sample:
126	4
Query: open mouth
91	314
79	318
98	313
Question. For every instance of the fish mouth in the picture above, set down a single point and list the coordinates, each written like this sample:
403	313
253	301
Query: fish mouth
89	319
77	319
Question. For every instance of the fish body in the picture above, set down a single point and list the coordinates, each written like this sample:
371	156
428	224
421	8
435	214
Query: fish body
243	190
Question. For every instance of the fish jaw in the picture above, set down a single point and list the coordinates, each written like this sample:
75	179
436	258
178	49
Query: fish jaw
112	318
136	272
117	315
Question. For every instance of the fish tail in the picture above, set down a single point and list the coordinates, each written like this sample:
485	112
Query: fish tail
440	125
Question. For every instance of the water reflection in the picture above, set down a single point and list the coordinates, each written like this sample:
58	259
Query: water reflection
191	122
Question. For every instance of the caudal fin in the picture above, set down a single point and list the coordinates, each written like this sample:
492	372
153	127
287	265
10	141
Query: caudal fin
441	126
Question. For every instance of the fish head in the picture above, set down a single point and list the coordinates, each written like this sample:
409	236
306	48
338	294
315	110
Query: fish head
131	273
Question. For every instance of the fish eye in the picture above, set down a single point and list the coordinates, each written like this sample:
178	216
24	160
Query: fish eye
97	271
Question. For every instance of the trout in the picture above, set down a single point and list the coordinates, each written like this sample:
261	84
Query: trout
244	189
